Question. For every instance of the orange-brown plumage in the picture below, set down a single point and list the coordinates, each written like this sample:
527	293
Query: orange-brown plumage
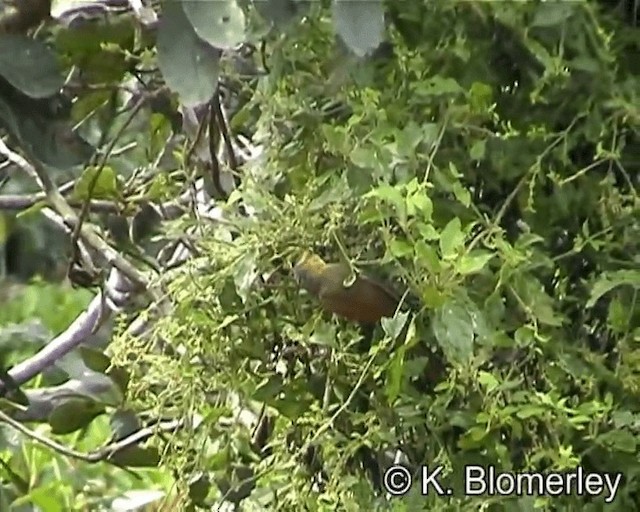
365	300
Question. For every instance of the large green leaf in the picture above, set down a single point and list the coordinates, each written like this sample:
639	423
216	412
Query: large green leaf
29	66
188	64
455	329
220	23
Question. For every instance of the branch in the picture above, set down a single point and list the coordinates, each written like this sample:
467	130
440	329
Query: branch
81	328
60	205
18	202
104	453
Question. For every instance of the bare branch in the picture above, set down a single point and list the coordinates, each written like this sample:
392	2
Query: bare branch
18	202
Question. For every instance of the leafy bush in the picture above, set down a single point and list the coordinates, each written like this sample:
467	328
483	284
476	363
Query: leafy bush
488	162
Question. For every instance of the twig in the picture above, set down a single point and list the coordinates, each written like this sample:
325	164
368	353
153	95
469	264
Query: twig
17	202
85	207
101	454
225	129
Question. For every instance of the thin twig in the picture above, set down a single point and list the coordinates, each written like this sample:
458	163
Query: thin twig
102	454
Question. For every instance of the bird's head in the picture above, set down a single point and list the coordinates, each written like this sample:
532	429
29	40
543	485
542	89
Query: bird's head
307	271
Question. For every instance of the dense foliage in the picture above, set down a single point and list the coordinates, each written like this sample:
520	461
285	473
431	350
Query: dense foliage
485	157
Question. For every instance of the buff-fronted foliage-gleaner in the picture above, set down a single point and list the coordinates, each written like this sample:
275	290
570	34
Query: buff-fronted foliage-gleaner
364	300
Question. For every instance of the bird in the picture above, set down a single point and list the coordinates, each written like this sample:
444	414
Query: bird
365	300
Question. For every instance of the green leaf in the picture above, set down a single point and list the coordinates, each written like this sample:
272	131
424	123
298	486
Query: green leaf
473	262
621	440
400	248
451	239
427	232
529	411
124	422
427	257
393	326
94	359
29	66
608	282
292	406
199	488
189	66
393	377
220	23
364	157
487	380
462	194
105	187
74	414
420	202
549	14
136	457
359	24
120	377
538	303
14	477
440	86
268	389
392	197
454	329
244	274
33	209
478	150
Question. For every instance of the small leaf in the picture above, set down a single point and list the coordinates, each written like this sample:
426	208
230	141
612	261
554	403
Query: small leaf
16	479
393	377
451	238
364	157
393	326
478	150
33	209
529	411
120	377
105	186
454	329
292	407
612	280
244	275
488	381
74	414
136	457
199	488
420	202
400	248
538	303
427	256
439	86
269	389
124	422
95	360
462	194
549	14
473	262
